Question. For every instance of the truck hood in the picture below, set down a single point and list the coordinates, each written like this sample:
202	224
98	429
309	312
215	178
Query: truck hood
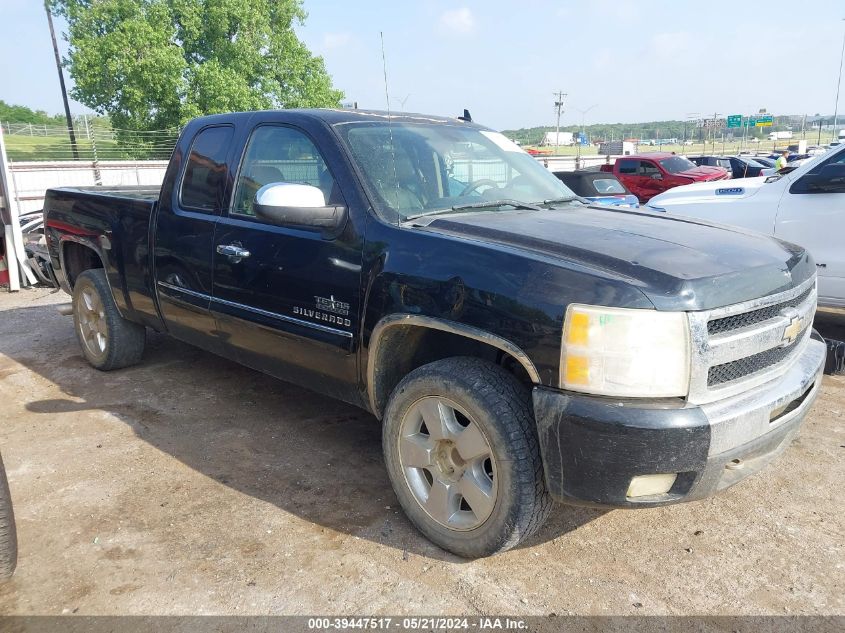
713	192
705	172
677	263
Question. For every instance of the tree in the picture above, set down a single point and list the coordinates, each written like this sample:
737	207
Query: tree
10	113
154	64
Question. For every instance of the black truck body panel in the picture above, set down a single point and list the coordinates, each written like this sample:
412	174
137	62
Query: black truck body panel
508	275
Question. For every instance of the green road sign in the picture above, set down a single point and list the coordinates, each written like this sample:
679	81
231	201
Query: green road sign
735	120
764	120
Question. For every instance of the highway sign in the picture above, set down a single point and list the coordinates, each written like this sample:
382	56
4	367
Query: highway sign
735	120
711	123
764	120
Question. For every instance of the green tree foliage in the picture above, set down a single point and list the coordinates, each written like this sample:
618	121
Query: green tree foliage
649	130
21	114
154	64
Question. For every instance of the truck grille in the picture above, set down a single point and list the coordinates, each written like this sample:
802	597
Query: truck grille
734	370
726	324
738	347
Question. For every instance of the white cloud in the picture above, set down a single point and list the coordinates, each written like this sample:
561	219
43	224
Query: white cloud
458	21
336	40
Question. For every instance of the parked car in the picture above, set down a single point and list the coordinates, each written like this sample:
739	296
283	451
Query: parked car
646	175
8	534
764	160
713	161
599	187
738	166
517	344
806	206
791	157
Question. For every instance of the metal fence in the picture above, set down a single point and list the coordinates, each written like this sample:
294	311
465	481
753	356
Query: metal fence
94	141
30	180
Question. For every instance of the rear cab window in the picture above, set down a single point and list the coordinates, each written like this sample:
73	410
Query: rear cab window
628	166
203	185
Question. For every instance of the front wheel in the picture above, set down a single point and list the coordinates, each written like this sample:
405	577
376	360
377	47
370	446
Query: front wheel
108	340
460	445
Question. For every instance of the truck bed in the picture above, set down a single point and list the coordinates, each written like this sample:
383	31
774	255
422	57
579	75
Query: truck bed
114	222
144	193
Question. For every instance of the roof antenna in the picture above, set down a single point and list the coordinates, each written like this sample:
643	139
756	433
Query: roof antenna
390	124
466	117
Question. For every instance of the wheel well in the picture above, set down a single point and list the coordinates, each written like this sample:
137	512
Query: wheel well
402	348
77	259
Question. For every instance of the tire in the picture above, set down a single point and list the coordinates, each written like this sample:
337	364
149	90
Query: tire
8	535
108	340
469	502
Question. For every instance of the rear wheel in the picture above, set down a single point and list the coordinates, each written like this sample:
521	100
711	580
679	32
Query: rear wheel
461	449
108	340
8	535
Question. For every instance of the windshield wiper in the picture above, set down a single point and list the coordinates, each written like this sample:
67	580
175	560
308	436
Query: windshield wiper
564	200
492	204
489	204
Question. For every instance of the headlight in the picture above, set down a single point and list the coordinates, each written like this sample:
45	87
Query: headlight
624	352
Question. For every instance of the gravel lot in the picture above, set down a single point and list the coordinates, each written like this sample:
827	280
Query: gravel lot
190	484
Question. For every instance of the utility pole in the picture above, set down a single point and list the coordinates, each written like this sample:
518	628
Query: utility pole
62	83
559	104
713	131
838	83
583	131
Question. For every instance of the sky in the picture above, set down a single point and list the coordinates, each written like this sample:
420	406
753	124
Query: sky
618	61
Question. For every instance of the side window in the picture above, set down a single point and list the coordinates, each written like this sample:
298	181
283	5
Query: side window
647	168
204	180
280	154
826	176
628	166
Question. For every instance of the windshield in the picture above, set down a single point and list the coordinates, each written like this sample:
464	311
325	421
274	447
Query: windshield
412	169
676	164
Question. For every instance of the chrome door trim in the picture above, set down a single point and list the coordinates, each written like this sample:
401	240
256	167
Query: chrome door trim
266	313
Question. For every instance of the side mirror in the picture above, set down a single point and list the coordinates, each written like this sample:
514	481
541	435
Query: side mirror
657	177
301	206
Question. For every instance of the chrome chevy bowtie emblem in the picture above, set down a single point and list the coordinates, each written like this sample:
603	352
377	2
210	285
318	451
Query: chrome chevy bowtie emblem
792	330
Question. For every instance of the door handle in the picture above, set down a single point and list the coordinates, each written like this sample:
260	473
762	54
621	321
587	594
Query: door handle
235	252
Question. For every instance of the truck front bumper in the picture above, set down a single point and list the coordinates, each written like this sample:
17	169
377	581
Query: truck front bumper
593	447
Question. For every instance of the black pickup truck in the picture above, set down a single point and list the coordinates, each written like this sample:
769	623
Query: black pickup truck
518	344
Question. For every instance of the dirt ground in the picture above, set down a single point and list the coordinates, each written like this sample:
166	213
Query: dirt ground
189	484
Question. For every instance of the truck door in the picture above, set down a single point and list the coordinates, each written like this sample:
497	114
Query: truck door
812	213
286	298
184	237
651	179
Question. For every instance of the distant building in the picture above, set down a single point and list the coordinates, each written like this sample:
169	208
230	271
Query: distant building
564	138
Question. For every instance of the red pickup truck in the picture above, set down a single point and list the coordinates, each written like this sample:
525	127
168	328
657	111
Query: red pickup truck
647	175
